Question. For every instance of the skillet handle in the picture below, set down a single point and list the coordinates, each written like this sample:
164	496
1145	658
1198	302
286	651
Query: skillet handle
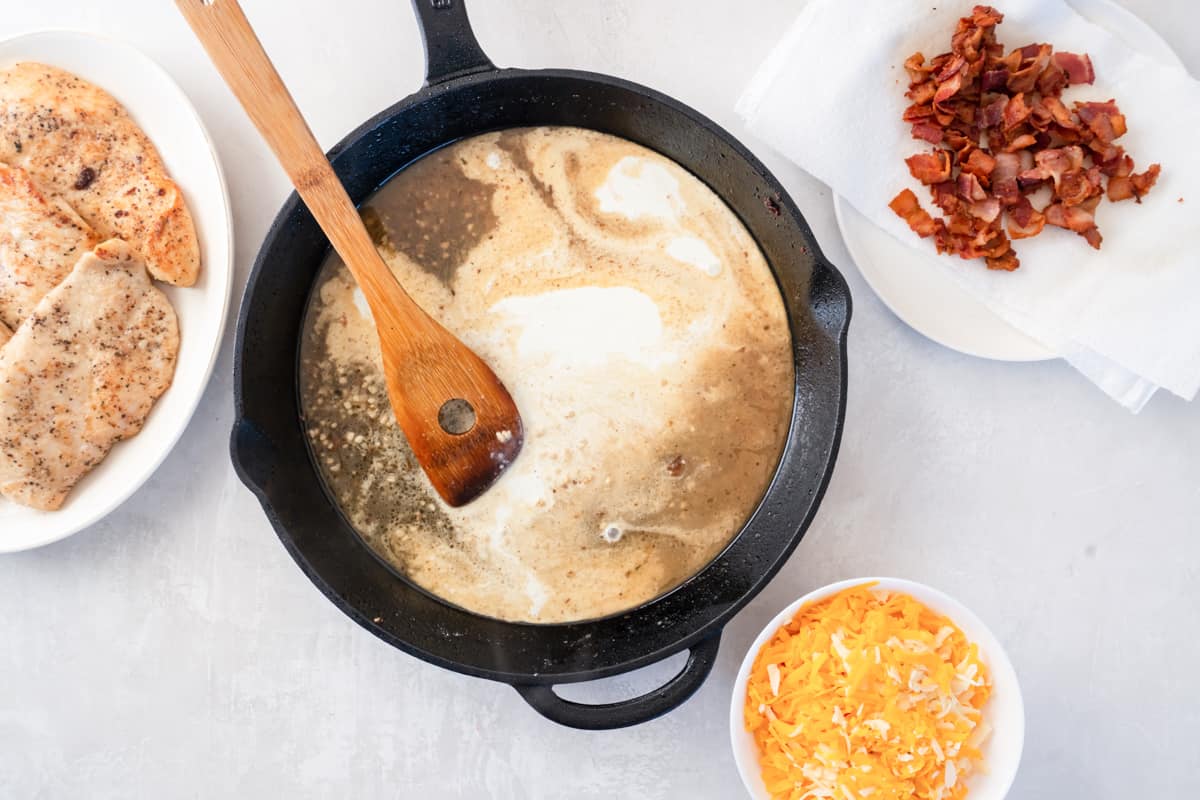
450	46
634	711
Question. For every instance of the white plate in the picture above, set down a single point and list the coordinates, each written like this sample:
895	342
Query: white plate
165	114
1005	709
916	288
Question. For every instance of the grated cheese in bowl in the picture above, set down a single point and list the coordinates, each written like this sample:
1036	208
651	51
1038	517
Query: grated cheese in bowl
867	694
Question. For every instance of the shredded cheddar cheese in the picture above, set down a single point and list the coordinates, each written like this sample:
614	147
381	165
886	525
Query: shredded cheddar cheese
868	694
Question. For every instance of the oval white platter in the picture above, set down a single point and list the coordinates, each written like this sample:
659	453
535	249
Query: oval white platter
162	110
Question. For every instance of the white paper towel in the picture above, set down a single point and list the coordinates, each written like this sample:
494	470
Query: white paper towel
831	95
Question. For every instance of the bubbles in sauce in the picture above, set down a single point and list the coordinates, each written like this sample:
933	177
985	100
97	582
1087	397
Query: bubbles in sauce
641	334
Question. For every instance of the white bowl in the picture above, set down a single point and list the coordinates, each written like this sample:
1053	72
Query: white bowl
1004	711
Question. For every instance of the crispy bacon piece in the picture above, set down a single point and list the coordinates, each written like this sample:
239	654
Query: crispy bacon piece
979	164
1024	220
987	209
922	93
1143	181
1053	163
916	68
994	79
969	187
1078	68
1074	218
1008	165
1034	59
1059	113
1052	80
927	131
1104	120
930	167
1078	185
909	208
1004	178
1021	142
1000	132
1006	262
991	113
1119	188
1016	111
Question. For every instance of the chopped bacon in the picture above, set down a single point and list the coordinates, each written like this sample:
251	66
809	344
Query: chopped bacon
969	187
1059	112
979	164
1007	166
1021	142
1004	178
960	144
1103	153
1003	139
1055	162
1024	220
1034	59
1122	166
994	79
992	113
930	167
1077	186
916	68
927	131
922	93
1078	68
918	113
1016	111
1006	262
1120	187
909	208
1052	80
947	89
945	197
987	209
1128	185
1030	179
1104	120
1074	218
1144	180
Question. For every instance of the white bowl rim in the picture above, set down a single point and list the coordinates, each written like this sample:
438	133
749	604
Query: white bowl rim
991	651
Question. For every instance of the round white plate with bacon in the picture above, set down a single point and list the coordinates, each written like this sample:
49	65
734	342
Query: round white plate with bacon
926	297
107	179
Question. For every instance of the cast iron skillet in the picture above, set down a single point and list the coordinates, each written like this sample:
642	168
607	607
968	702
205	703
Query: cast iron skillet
465	95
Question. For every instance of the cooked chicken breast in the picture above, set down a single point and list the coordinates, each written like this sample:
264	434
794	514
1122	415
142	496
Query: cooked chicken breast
81	374
41	239
80	144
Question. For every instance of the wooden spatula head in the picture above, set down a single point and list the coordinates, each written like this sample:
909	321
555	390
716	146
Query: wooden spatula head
460	421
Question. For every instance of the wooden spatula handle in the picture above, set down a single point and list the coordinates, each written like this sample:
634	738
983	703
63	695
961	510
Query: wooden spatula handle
428	371
239	56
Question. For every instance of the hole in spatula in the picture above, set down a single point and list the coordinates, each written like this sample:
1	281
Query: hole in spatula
456	416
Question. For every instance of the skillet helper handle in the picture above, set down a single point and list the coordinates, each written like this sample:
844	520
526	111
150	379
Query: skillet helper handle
451	49
636	710
831	301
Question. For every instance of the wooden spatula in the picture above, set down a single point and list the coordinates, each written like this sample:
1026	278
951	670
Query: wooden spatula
460	421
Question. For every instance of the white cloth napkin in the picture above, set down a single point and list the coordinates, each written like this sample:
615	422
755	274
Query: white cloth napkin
831	95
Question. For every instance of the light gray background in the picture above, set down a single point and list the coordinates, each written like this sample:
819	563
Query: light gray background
174	650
